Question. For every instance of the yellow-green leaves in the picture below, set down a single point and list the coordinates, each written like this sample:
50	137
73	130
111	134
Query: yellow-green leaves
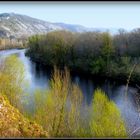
106	118
12	79
58	109
60	113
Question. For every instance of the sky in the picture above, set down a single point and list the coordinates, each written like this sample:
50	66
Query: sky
90	14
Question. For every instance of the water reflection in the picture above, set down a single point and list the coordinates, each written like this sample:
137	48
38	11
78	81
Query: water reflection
38	78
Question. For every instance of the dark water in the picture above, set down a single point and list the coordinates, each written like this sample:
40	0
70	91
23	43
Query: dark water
38	78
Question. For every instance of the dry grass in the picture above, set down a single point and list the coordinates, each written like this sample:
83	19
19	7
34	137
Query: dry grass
14	124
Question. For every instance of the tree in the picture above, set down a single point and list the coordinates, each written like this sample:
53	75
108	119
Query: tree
106	119
107	50
12	79
59	111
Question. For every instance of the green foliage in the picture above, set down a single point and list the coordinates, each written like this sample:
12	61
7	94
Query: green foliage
98	65
90	52
125	61
106	118
58	110
12	79
107	44
107	50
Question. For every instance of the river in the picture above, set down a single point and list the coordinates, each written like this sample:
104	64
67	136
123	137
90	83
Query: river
38	78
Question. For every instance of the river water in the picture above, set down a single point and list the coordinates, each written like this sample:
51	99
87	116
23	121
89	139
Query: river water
38	77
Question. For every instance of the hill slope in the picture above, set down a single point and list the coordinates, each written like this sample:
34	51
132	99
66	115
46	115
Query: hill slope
15	26
14	124
20	25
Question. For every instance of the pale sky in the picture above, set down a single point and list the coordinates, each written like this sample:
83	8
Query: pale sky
90	14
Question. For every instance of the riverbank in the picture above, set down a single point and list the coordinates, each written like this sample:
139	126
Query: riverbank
121	79
11	49
12	43
1	49
13	124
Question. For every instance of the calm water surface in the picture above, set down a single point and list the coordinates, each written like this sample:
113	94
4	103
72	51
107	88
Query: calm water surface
38	78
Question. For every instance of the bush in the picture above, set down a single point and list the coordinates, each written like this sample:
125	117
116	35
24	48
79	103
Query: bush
12	79
106	118
59	111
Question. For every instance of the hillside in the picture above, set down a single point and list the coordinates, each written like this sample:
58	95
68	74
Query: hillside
16	26
20	25
14	124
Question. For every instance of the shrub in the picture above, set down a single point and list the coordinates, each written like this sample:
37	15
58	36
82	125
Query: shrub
106	118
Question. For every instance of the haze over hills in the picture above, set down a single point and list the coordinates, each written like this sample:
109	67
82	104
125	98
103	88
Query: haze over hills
17	26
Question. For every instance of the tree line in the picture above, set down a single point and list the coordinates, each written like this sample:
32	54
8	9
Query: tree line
95	53
12	43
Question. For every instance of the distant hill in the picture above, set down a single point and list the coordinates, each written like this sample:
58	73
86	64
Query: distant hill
15	26
80	28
